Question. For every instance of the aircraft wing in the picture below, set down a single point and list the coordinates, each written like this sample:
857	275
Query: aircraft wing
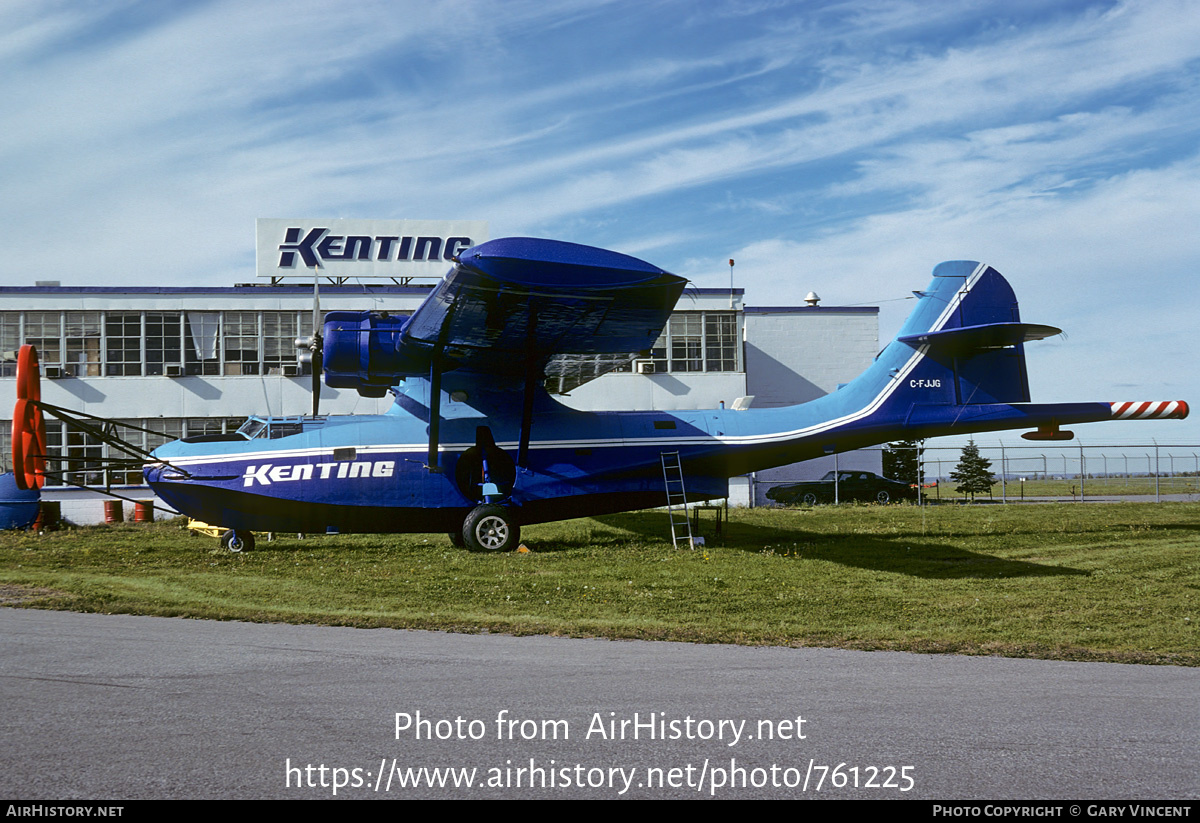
511	308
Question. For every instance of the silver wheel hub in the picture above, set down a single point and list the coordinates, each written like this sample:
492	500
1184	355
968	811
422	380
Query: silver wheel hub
491	532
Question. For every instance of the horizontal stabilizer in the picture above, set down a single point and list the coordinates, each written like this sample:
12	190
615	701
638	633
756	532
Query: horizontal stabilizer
977	338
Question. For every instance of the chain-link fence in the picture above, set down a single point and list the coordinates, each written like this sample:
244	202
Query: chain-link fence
1076	472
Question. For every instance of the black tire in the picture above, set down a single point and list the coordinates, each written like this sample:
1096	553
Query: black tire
491	528
457	539
882	496
238	541
809	499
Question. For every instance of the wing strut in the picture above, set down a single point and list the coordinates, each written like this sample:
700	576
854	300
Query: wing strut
435	410
531	380
435	392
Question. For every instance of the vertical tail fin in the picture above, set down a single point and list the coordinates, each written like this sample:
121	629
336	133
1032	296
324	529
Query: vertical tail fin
968	328
958	365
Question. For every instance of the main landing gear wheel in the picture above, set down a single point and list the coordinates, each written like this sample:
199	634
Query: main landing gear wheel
491	528
456	538
237	541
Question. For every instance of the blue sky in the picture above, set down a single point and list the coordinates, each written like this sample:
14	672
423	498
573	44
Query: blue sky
841	147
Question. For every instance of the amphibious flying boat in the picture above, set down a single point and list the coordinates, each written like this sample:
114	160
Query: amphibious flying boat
475	446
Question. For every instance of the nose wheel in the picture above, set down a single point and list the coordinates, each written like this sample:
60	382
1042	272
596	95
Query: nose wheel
491	528
237	541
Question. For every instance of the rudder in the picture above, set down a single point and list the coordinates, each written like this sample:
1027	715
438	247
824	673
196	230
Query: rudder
968	327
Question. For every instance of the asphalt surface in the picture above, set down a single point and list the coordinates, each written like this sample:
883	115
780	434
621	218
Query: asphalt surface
121	707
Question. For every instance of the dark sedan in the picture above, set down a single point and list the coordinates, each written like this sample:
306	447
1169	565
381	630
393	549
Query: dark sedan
851	485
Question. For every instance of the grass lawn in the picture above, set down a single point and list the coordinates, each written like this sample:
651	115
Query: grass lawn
1118	582
1090	487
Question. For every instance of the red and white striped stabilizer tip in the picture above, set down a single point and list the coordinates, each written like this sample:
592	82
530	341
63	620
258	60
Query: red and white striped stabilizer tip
1150	410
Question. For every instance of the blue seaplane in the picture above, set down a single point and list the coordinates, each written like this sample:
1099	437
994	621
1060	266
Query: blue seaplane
475	446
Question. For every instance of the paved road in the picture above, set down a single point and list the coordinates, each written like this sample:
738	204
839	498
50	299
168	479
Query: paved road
121	707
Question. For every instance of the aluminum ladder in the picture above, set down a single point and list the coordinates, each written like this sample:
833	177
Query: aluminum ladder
681	526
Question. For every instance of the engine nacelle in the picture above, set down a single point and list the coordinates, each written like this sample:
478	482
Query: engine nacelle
362	351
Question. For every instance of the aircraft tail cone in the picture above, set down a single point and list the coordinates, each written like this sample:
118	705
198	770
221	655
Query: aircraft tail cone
1150	410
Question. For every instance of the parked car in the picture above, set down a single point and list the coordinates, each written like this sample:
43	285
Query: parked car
851	485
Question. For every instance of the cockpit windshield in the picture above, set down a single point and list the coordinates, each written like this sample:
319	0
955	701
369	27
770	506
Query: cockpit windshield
275	427
252	428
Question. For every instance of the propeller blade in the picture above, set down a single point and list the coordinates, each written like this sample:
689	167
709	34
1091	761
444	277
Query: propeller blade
316	304
316	380
317	345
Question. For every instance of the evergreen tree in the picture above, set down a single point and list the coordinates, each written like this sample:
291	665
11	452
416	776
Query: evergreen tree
973	472
900	461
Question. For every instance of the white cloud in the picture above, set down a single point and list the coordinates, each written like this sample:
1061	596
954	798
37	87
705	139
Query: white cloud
841	147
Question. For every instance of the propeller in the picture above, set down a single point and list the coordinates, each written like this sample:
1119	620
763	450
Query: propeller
318	354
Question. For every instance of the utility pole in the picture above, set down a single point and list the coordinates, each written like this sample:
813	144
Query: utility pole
731	284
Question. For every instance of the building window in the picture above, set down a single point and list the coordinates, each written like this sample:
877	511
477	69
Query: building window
10	340
165	430
83	343
241	342
686	342
698	341
280	330
44	330
202	343
158	343
163	342
196	426
720	341
85	455
123	343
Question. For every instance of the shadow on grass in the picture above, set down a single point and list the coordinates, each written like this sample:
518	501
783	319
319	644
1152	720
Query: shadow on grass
910	555
907	554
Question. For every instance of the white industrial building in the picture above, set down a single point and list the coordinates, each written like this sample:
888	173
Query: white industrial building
182	361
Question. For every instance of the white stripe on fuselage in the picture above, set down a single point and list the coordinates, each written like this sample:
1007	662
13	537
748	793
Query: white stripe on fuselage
616	442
